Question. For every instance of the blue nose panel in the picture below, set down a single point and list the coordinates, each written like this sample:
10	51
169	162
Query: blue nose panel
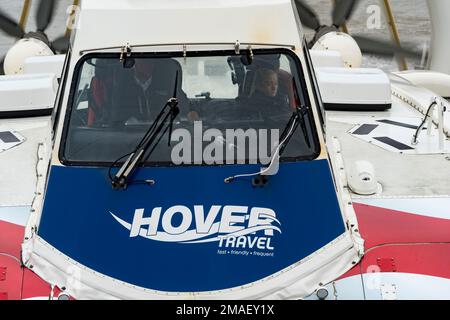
190	231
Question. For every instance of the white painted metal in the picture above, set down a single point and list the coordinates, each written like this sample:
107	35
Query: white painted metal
427	144
6	145
119	22
18	165
388	286
350	288
45	64
408	286
437	82
16	215
354	86
326	59
433	207
419	98
388	291
27	92
401	175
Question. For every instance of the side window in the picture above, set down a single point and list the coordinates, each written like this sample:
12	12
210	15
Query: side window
81	96
87	75
285	64
60	93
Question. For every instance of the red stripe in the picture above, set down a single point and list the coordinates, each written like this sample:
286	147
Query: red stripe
431	260
382	226
423	243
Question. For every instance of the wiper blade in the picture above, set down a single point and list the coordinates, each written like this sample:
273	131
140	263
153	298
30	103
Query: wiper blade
169	111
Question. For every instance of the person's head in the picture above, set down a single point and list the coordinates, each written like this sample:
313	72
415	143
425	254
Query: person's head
267	82
144	68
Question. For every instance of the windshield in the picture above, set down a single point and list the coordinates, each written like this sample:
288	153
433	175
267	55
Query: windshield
233	108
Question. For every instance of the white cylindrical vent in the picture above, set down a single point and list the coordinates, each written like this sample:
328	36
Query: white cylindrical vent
362	179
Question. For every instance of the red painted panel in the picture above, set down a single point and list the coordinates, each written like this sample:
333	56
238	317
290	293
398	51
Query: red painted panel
352	272
11	238
12	278
3	271
34	286
426	259
382	226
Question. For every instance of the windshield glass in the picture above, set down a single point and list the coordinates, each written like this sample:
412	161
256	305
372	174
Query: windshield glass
233	107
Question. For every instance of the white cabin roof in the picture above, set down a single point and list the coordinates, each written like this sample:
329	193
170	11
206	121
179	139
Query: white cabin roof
109	23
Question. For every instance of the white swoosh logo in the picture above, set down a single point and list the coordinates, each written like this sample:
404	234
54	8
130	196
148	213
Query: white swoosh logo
191	236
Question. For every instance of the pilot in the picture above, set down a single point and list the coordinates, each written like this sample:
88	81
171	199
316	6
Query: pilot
266	83
266	95
139	93
154	83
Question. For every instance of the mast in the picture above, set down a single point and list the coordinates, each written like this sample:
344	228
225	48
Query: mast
25	13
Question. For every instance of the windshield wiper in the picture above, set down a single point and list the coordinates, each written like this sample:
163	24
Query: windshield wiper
297	118
170	110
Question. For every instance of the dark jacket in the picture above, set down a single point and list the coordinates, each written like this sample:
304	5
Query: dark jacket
262	103
132	101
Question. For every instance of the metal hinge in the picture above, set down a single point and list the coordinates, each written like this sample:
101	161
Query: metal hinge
387	264
237	47
125	50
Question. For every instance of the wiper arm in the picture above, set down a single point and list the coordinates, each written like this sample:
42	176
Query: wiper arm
297	118
170	109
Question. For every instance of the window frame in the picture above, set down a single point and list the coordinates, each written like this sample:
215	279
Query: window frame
179	54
